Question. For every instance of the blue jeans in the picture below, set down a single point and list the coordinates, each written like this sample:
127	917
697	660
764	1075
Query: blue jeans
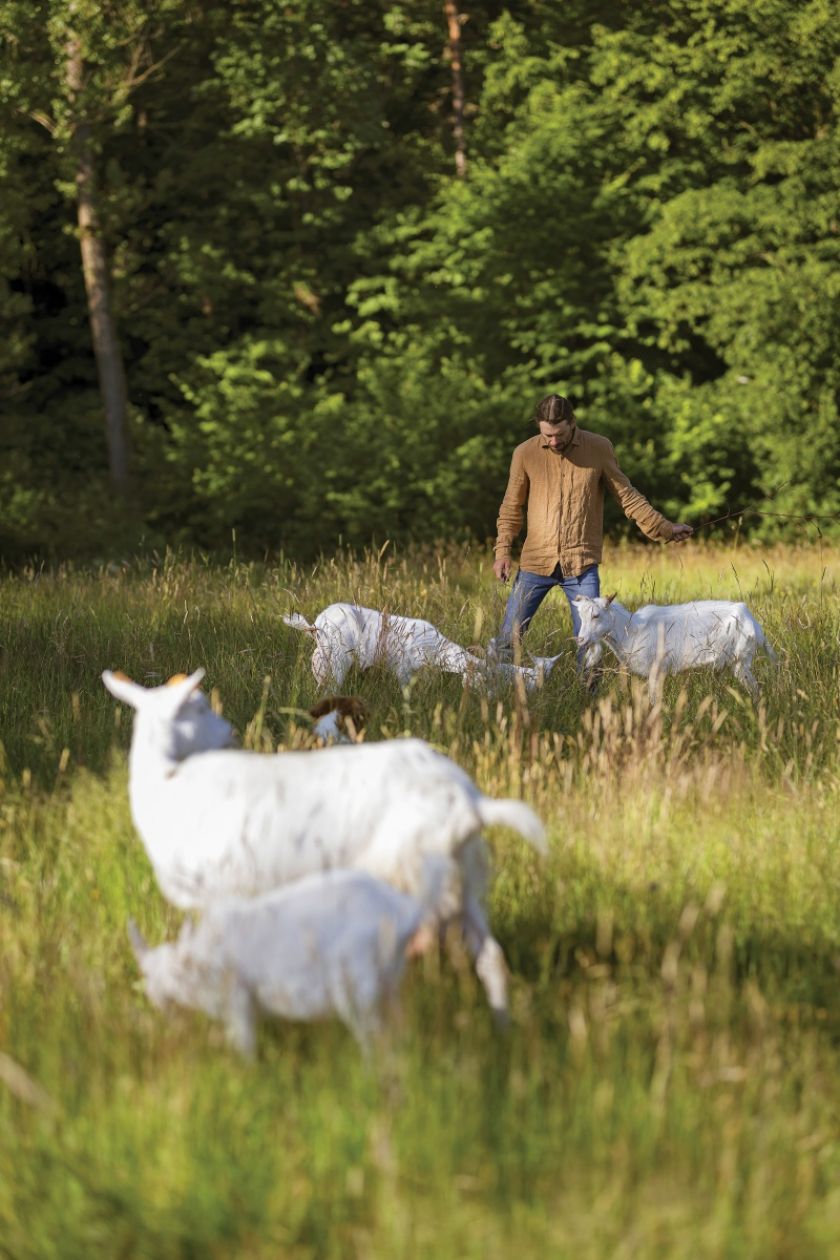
528	592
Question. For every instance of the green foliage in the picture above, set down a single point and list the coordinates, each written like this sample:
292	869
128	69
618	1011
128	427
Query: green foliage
648	223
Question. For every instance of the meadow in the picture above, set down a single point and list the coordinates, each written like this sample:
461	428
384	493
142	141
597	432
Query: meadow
669	1084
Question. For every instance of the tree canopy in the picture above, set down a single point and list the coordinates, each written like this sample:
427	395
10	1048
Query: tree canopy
331	330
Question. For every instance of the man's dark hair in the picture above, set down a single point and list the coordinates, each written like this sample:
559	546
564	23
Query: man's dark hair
554	410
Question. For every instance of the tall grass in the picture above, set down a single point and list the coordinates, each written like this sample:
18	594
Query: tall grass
669	1085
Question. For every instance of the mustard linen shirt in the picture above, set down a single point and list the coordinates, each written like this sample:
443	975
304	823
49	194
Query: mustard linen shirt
564	497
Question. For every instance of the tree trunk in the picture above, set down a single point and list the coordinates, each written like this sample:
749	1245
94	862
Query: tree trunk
106	346
454	53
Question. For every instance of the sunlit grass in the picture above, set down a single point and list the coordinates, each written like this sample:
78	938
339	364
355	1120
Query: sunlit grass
669	1085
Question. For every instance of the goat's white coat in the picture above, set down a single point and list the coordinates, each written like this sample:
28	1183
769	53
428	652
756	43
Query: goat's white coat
196	727
223	823
329	728
347	635
332	944
662	639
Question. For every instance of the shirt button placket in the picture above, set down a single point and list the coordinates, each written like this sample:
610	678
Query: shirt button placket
563	508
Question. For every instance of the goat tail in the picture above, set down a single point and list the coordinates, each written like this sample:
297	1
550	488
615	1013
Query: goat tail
516	815
299	623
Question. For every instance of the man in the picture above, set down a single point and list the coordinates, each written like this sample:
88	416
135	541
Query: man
559	476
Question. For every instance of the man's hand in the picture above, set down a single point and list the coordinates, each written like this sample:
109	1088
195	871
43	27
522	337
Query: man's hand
501	568
680	532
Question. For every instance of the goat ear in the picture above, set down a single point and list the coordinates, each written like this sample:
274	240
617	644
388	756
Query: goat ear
122	688
180	687
610	598
138	944
194	679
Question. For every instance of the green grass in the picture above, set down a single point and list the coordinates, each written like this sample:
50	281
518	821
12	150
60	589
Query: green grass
669	1085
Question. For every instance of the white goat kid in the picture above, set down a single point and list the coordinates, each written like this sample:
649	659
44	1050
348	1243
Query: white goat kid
332	944
222	823
662	639
346	635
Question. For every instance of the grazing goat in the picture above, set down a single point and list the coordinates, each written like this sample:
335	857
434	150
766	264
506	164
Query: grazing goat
222	823
666	639
338	719
331	944
347	635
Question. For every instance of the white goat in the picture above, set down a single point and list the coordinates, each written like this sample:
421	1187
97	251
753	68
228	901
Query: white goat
347	635
332	944
222	823
666	639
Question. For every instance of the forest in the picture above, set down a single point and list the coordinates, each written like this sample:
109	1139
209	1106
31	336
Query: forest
287	277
